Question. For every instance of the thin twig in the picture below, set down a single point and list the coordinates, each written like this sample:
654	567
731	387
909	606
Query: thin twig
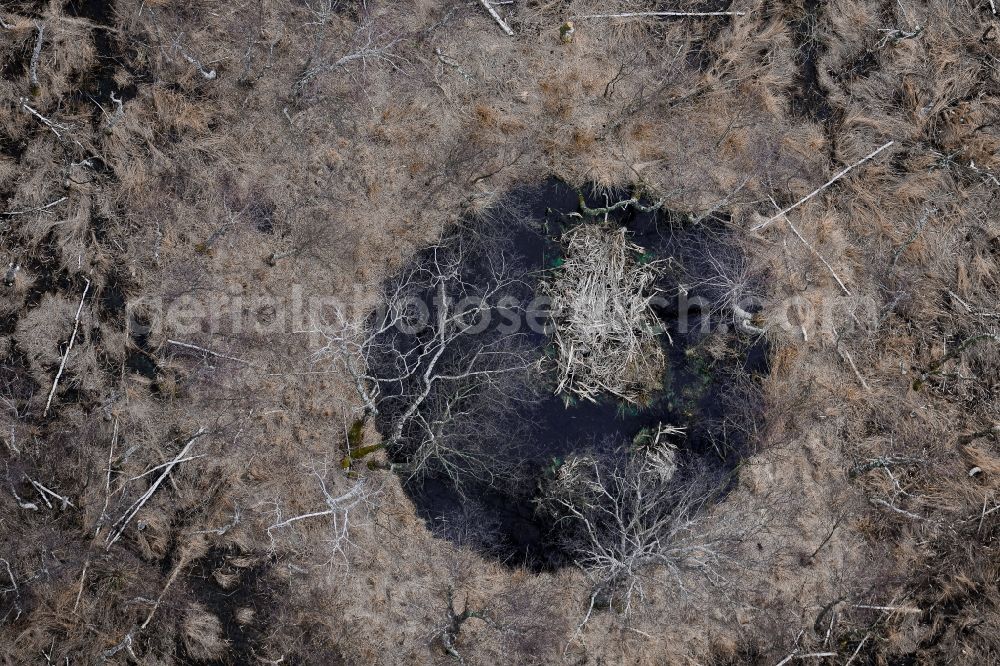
857	650
890	609
173	577
882	502
583	623
42	490
206	74
79	593
846	355
107	482
62	364
828	183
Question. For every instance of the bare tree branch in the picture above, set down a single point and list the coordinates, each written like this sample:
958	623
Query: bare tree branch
131	512
658	14
838	176
62	364
496	17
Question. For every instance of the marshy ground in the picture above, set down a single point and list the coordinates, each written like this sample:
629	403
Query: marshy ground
709	387
204	205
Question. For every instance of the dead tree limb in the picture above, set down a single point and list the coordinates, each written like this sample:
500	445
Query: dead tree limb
43	491
455	621
496	17
208	75
131	512
840	283
338	512
841	174
163	592
58	201
62	364
186	345
14	589
54	126
422	386
846	355
656	14
33	68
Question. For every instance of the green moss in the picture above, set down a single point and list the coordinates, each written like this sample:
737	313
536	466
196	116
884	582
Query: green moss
356	435
355	439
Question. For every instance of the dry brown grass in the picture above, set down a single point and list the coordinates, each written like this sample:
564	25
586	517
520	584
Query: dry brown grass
200	181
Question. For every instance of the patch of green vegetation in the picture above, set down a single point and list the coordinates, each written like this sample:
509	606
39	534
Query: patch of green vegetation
355	439
356	434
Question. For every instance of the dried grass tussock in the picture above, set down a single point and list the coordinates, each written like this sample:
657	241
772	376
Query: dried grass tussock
606	333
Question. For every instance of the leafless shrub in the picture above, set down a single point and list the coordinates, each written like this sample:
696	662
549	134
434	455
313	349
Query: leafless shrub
336	511
433	376
628	525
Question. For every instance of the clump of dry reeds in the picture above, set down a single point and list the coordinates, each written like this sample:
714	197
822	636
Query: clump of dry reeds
606	332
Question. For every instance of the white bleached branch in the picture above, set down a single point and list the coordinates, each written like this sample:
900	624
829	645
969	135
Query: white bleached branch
208	75
131	512
62	364
659	14
54	126
186	345
496	17
58	201
43	491
35	54
870	156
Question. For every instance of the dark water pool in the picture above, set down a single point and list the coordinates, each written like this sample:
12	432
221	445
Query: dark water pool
713	397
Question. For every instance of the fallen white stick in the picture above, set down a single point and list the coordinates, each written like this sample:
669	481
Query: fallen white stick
496	17
844	354
153	469
858	650
42	489
35	210
79	594
33	68
129	514
645	14
207	75
828	183
882	502
890	609
54	126
207	351
62	365
335	504
818	255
